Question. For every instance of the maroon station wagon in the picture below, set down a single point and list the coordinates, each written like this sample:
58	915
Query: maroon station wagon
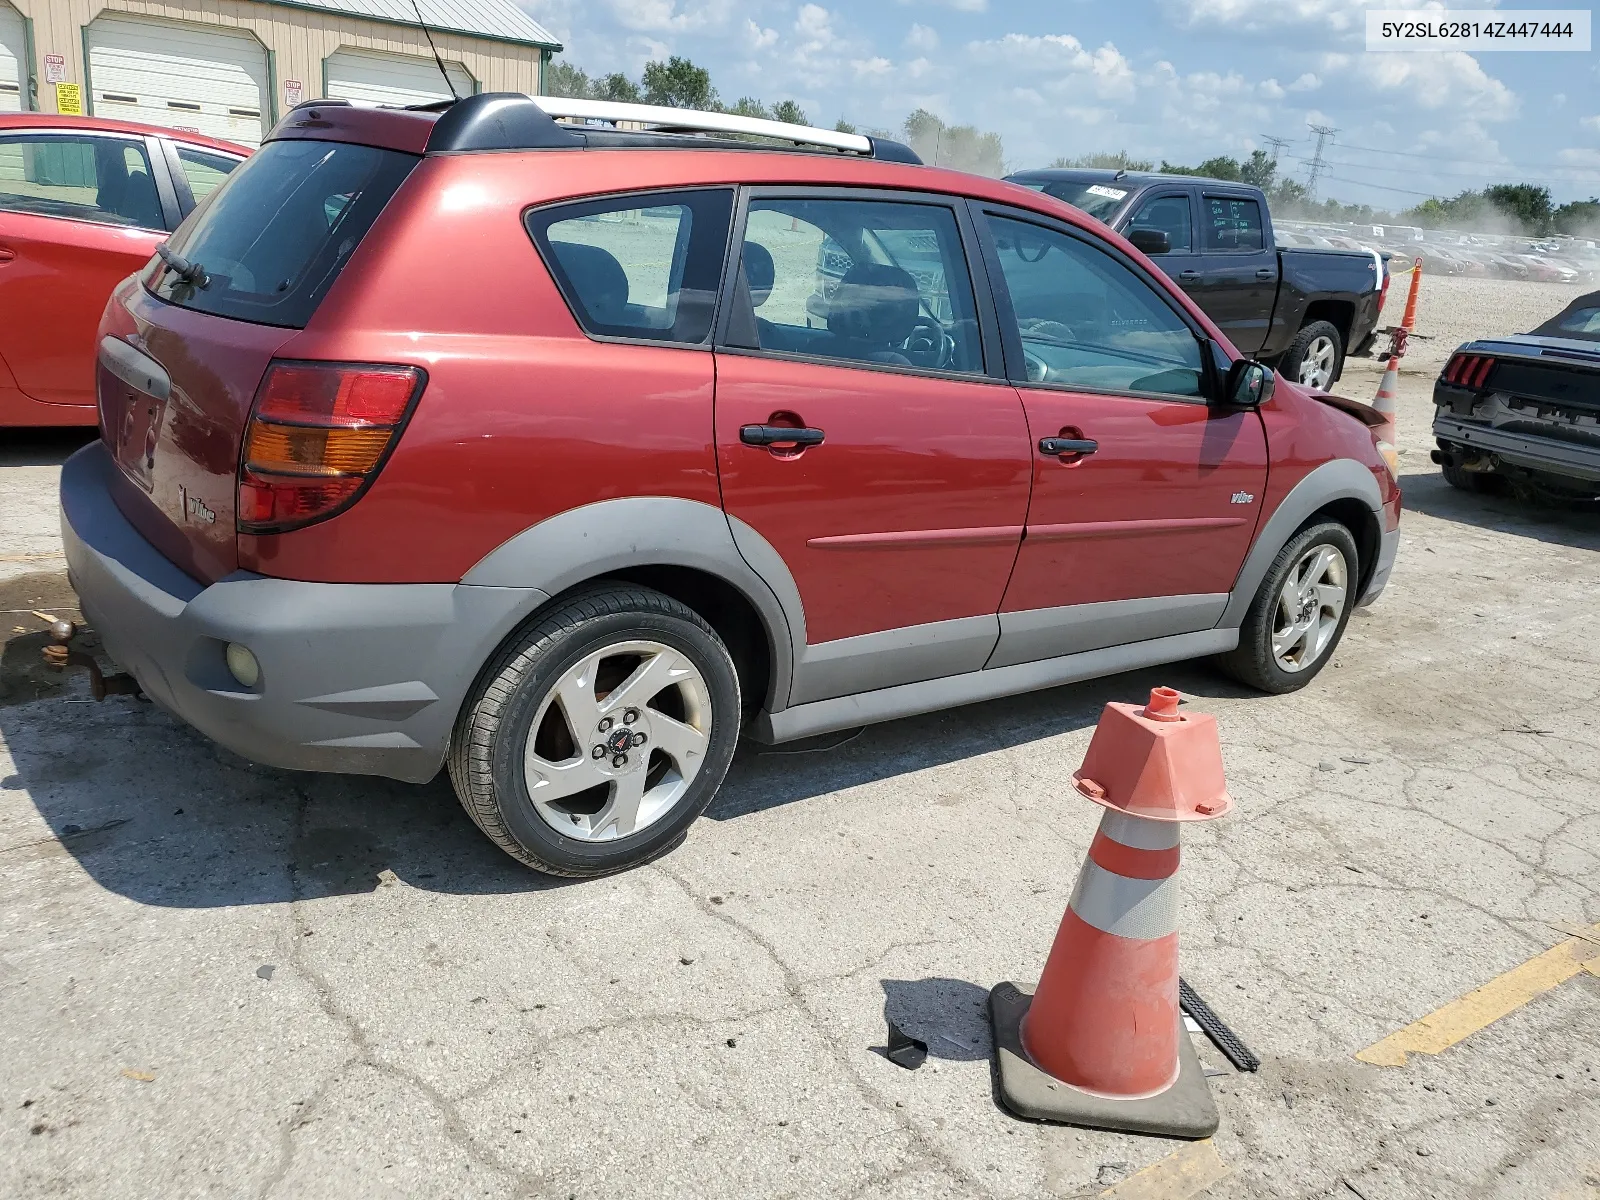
562	455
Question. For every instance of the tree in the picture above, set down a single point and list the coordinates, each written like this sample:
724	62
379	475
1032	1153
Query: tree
564	79
790	112
678	83
1108	161
615	86
962	147
749	106
1578	217
843	126
1525	202
1260	169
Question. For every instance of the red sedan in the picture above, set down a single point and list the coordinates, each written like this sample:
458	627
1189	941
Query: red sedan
83	203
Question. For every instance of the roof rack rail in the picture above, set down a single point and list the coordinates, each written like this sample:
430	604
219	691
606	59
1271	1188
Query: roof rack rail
512	120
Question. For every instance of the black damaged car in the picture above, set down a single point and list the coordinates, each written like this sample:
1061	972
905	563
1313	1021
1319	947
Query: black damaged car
1524	410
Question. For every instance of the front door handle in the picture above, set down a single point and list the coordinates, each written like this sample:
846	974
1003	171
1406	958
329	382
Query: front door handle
779	435
7	254
1188	276
1055	447
1264	272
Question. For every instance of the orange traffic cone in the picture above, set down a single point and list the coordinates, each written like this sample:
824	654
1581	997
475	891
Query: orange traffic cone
1102	1043
1388	397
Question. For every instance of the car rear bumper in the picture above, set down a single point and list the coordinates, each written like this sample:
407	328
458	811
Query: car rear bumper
1532	453
357	678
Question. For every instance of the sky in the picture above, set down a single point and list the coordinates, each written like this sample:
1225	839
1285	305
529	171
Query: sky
1177	79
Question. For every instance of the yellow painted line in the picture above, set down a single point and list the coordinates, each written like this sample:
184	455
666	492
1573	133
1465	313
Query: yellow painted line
1183	1173
1504	994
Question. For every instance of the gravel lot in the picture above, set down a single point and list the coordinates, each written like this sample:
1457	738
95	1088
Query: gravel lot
222	980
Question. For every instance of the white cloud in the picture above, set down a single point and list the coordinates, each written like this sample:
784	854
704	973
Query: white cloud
973	6
1062	59
757	38
668	16
875	67
1591	123
1339	17
920	37
1306	83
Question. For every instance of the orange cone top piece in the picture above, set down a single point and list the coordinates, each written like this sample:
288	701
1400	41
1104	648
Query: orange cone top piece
1156	762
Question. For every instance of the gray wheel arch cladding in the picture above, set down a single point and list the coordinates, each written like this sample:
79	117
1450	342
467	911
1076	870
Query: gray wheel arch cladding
1341	479
603	538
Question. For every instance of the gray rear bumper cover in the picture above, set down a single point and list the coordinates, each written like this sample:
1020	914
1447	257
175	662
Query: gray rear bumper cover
1388	547
358	678
1534	453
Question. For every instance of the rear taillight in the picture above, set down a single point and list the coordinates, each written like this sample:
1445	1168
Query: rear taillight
317	435
1468	370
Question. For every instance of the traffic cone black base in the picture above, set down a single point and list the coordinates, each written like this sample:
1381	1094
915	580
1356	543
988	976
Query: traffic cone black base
1184	1110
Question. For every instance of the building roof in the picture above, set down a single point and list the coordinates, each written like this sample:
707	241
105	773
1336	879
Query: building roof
500	20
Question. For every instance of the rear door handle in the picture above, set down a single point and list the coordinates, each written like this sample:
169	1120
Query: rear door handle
7	254
1055	447
1188	276
779	435
1264	272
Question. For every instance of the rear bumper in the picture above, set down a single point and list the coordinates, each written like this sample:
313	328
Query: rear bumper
1531	453
1388	547
357	678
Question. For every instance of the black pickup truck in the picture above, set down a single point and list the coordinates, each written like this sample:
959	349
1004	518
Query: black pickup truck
1299	307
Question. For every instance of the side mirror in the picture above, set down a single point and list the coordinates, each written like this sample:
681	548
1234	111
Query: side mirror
1249	384
1150	241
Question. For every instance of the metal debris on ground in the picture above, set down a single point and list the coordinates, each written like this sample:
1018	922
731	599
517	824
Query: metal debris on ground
1224	1038
903	1050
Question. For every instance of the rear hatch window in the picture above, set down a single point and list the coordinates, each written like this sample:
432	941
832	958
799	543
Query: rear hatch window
268	244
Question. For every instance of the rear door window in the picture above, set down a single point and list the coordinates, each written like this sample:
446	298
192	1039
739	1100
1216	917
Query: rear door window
101	179
204	171
1231	223
639	267
864	281
274	236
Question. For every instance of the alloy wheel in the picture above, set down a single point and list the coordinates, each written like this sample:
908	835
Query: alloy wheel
1310	605
1316	368
618	741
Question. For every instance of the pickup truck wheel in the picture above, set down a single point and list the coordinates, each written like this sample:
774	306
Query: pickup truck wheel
1467	481
1299	613
599	733
1316	356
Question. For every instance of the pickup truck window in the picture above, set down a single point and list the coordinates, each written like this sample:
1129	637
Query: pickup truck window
1099	200
1231	223
1169	214
1087	321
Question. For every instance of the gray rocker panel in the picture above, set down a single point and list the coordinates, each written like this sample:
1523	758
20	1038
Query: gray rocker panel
1040	633
887	704
894	656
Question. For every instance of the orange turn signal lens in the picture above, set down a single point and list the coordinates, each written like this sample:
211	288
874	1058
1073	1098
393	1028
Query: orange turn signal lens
303	449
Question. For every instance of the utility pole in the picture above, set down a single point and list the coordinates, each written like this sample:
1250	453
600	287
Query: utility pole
1277	144
1323	132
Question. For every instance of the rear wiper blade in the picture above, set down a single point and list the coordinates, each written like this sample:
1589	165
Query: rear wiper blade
191	273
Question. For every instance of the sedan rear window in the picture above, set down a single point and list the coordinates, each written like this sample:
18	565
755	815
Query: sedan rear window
268	243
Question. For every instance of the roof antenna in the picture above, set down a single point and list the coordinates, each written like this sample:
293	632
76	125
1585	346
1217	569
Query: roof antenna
424	26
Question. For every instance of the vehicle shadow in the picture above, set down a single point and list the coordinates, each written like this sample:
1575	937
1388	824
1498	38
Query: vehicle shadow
1576	524
154	811
43	447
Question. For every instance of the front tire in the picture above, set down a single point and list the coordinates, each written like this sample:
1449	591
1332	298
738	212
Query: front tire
1316	356
1299	612
538	757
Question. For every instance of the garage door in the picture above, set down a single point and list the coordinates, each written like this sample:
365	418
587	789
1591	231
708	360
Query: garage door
13	53
394	79
193	77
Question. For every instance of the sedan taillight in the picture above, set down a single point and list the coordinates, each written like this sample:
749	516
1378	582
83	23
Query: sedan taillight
1468	370
317	436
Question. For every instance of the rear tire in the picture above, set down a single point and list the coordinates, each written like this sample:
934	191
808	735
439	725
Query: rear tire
548	715
1316	356
1479	482
1299	613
